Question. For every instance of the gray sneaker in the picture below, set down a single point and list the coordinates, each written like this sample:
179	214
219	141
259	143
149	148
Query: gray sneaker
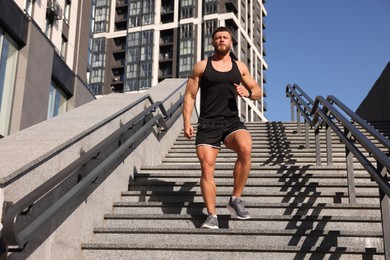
236	207
211	222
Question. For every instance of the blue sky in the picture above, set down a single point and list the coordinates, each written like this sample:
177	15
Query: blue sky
327	47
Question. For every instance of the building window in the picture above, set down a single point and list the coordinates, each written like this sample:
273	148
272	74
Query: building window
208	29
57	101
64	46
132	71
67	11
28	6
49	27
187	8
210	7
8	59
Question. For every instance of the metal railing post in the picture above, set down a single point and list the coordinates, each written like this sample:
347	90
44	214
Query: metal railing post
350	171
292	110
307	141
329	153
299	120
385	213
318	146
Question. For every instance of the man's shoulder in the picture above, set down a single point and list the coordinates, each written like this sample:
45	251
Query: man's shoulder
200	66
241	66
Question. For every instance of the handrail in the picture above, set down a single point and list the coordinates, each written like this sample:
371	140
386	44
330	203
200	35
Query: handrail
330	112
255	109
363	140
356	118
296	93
10	237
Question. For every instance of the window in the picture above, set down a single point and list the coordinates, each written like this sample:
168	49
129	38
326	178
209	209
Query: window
67	11
132	71
210	7
8	59
146	52
28	6
64	46
49	27
186	9
186	63
57	101
132	54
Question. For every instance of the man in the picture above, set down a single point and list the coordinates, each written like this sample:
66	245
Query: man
219	79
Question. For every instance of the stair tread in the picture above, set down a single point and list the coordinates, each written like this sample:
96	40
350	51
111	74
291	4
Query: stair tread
286	232
253	204
217	247
295	217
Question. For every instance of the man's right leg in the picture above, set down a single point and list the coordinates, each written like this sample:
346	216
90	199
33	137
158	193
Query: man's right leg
207	156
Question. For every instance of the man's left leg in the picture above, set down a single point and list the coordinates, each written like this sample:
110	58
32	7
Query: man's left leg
240	141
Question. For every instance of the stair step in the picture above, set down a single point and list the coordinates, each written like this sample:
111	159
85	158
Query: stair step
255	208
201	251
229	237
256	222
272	197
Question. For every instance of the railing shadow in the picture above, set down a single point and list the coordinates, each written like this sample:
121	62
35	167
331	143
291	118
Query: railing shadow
311	234
280	150
173	198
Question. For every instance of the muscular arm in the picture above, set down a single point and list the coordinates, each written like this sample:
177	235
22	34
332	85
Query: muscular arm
249	83
189	98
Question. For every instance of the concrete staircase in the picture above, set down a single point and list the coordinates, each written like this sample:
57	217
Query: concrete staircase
299	210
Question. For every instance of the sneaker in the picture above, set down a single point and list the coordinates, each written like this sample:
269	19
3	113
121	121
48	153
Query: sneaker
211	222
236	207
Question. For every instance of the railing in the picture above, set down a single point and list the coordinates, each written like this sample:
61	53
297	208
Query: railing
251	110
139	125
331	114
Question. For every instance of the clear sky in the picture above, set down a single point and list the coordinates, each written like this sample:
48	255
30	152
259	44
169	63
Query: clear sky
327	47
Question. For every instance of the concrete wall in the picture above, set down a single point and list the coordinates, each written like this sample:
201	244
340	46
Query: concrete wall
376	105
32	156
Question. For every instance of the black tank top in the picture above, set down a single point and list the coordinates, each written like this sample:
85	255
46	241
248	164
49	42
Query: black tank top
218	93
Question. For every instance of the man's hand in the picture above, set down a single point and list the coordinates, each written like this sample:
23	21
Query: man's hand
188	131
241	90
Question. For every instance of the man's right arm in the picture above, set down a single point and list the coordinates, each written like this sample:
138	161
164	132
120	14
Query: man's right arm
189	99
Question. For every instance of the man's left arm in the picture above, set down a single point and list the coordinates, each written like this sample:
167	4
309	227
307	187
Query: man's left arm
249	83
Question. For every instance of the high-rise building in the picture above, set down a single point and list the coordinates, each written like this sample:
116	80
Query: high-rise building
43	60
138	43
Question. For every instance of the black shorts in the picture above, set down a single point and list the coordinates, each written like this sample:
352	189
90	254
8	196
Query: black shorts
213	133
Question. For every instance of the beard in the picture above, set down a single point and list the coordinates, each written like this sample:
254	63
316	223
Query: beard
222	50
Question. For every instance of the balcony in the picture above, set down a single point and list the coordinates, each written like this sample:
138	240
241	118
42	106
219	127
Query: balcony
231	6
121	4
167	11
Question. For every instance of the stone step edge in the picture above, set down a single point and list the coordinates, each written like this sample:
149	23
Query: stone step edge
227	231
198	193
237	248
346	206
250	183
284	167
299	217
254	175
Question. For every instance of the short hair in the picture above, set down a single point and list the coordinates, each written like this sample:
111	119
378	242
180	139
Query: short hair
222	29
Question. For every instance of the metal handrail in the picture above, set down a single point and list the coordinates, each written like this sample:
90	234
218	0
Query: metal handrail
254	109
368	145
330	112
10	237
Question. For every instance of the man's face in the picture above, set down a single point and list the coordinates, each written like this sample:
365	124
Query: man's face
222	42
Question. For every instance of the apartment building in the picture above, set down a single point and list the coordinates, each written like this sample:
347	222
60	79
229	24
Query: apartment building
138	43
43	60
